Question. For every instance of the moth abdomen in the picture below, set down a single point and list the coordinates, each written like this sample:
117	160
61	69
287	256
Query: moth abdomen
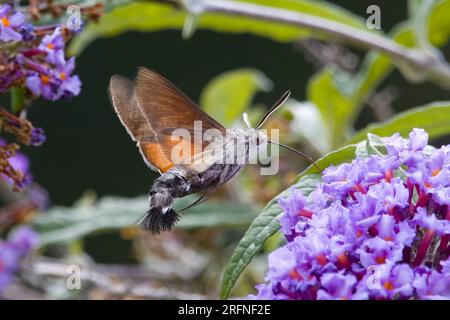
161	217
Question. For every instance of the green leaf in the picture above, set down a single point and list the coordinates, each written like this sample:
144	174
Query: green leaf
136	16
375	145
338	156
433	118
334	106
308	123
415	196
62	225
401	173
227	96
439	24
151	17
316	8
419	12
266	224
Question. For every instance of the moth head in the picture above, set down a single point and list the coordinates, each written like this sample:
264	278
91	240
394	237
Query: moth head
261	138
256	138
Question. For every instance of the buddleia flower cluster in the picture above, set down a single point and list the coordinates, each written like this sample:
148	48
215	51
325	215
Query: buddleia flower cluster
33	64
33	57
376	228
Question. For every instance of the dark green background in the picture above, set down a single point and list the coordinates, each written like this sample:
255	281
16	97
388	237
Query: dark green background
87	148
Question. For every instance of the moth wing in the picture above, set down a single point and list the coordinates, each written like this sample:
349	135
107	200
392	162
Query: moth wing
167	109
150	110
121	91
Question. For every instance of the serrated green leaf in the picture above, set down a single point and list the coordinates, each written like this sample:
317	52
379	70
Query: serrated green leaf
227	96
266	224
434	118
62	225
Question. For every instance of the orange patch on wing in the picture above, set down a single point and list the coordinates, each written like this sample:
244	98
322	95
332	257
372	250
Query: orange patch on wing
163	156
156	157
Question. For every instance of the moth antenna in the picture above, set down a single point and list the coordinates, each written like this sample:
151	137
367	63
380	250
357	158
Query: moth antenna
299	153
274	108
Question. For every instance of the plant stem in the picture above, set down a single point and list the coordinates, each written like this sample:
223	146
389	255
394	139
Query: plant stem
432	66
17	100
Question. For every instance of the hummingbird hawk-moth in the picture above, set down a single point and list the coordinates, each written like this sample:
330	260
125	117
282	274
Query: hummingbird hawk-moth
151	108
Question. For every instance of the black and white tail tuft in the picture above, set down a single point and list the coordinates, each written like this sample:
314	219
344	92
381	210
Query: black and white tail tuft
156	221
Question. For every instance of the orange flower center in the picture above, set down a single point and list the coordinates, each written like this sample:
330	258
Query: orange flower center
63	76
388	286
295	275
359	188
343	260
5	22
50	46
322	259
380	259
388	176
435	172
45	79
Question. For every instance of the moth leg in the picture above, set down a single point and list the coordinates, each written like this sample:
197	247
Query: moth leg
204	197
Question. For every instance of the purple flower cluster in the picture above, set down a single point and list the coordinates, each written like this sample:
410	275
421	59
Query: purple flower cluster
12	251
377	228
39	64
